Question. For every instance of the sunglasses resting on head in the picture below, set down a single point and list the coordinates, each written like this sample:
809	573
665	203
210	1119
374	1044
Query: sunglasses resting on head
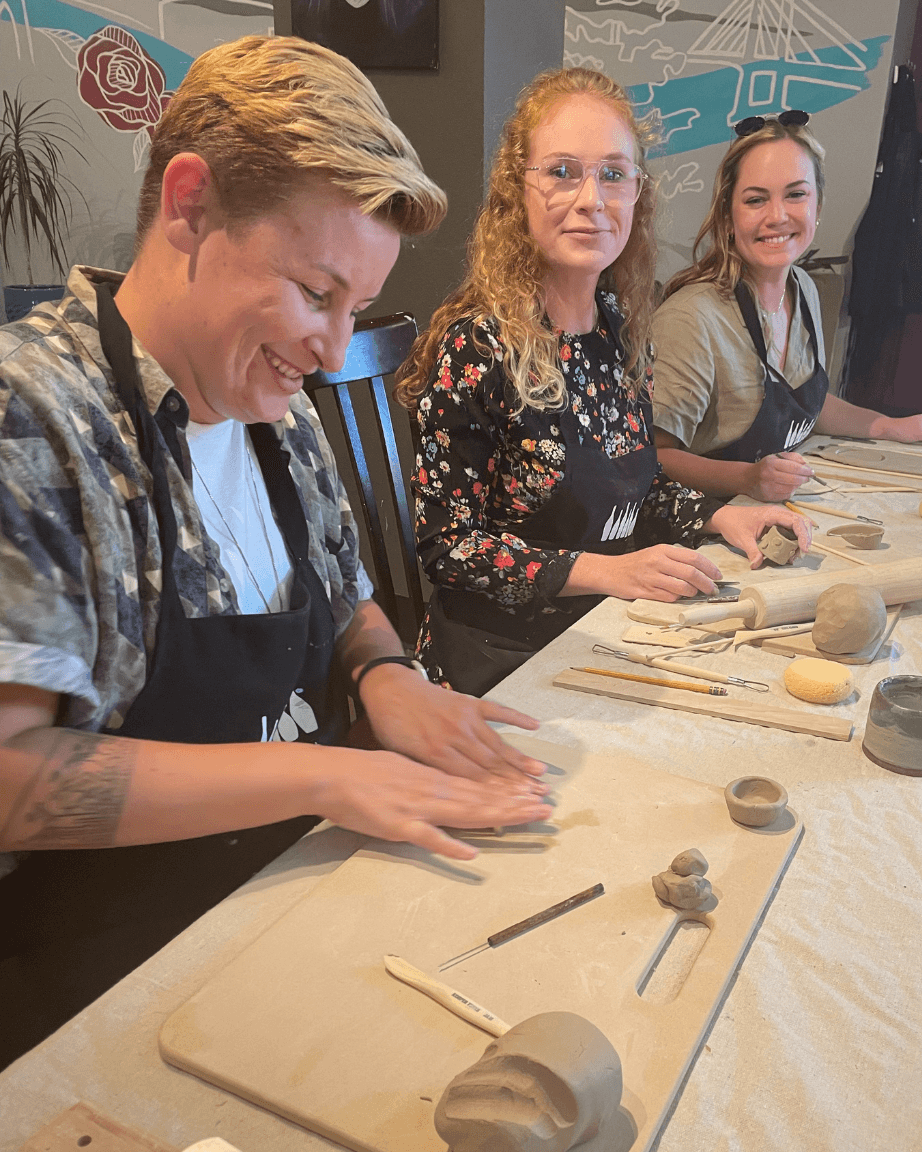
757	123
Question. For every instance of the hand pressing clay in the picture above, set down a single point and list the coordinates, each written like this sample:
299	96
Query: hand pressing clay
818	681
779	544
848	618
549	1084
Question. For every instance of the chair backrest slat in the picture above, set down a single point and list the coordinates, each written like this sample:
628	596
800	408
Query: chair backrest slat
377	349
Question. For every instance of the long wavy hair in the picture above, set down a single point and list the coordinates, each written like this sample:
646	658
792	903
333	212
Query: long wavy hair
721	264
506	268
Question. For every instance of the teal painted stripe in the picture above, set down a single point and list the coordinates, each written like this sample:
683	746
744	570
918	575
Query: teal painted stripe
55	14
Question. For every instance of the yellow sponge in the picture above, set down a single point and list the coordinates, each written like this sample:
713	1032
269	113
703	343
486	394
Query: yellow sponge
819	681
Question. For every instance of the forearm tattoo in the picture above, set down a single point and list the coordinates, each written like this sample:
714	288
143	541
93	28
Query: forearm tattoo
77	797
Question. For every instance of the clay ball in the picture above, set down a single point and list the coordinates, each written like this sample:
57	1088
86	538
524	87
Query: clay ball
689	863
848	618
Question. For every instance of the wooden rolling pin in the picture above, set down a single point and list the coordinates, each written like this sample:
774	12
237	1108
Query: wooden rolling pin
793	600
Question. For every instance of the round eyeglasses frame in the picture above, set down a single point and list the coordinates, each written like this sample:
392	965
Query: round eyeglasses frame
608	192
757	123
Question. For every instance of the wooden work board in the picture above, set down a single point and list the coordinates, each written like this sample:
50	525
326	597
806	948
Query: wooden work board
307	1023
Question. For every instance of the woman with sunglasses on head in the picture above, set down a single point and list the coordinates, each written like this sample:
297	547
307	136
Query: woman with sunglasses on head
538	488
740	376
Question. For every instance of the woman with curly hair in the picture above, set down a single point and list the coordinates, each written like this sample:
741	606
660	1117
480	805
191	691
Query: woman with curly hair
537	484
740	369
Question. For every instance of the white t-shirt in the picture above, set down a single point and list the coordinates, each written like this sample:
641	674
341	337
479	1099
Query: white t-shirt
231	494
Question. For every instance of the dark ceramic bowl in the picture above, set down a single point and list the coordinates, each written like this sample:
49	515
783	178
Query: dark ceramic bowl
893	734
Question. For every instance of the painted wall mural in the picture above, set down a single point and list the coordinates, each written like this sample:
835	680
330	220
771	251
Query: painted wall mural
697	67
115	65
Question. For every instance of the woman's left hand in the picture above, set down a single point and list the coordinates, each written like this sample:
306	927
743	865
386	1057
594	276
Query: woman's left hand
742	527
905	429
447	730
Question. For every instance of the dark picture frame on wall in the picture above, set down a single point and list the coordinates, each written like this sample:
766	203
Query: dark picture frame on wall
372	33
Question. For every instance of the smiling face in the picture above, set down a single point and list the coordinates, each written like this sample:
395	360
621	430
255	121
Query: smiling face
272	301
580	235
774	207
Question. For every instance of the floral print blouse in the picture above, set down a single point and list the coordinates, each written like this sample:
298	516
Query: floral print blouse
482	471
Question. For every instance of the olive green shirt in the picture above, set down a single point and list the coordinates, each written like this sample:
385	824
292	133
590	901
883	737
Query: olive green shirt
708	374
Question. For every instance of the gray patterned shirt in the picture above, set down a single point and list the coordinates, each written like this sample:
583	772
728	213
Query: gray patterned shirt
80	556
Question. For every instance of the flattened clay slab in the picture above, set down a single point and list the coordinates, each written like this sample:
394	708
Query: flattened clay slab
885	460
307	1023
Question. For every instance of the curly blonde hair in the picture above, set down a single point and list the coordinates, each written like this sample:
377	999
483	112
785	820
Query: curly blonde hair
264	111
506	268
721	264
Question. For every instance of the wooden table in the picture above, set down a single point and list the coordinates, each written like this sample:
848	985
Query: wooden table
819	1045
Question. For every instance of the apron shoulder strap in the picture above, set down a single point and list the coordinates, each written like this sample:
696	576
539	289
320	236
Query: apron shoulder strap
750	319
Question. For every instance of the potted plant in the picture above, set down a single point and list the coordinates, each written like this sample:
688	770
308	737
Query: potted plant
35	195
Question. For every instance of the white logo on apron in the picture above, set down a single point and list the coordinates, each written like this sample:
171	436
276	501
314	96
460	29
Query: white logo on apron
297	714
798	432
619	526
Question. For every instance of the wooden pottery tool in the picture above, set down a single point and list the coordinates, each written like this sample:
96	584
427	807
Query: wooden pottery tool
833	512
749	636
766	715
526	925
793	600
795	508
712	691
873	476
668	664
802	645
447	997
305	1021
815	546
81	1126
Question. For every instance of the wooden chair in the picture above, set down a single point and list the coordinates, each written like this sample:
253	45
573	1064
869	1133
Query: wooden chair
377	349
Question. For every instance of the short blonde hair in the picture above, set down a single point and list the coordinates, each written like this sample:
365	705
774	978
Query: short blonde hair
721	264
506	268
263	112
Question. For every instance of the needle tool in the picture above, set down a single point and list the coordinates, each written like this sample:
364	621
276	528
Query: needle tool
524	925
669	665
832	512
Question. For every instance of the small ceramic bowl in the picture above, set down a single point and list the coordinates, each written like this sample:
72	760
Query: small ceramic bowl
859	535
893	734
755	800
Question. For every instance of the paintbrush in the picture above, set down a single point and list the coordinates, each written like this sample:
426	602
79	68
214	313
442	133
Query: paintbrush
711	690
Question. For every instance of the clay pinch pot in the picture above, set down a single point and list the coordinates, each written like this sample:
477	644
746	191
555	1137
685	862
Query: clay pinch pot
755	800
893	734
779	544
859	535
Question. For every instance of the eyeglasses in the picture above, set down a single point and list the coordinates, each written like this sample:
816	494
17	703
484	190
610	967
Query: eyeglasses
564	177
757	123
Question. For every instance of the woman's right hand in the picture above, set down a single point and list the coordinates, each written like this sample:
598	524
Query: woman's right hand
776	478
394	798
664	572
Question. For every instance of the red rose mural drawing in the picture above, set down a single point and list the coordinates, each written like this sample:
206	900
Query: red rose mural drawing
123	83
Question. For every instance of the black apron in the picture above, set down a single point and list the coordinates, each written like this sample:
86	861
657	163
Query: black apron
593	509
787	415
75	922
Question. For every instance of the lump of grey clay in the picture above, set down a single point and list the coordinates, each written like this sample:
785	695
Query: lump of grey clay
549	1084
689	863
779	544
685	892
848	618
